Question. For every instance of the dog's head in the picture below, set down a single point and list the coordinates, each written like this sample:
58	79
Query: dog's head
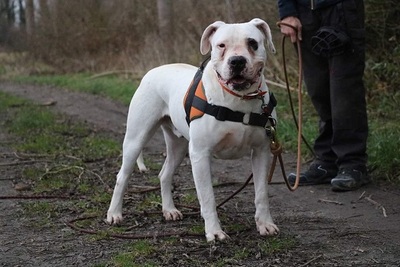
237	51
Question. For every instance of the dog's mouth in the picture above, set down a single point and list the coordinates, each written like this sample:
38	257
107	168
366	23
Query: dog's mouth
239	82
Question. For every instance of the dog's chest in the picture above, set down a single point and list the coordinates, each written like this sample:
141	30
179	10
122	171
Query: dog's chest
236	143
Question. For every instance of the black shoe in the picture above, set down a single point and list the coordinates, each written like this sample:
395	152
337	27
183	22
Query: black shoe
316	174
349	179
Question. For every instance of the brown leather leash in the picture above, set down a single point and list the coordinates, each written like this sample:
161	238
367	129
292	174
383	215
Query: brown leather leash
276	148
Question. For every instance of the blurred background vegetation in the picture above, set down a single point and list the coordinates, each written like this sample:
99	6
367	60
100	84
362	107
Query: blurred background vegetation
49	38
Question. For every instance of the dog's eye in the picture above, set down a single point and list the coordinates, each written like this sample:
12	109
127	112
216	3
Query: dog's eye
221	45
252	44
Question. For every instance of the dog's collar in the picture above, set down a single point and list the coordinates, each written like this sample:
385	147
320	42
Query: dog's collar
253	95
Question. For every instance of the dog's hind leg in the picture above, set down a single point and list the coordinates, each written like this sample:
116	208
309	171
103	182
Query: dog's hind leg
140	163
136	137
177	148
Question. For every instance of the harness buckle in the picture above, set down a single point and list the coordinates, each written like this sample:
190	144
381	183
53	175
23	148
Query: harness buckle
221	115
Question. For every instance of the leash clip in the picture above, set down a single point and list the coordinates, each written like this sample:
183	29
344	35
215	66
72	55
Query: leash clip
271	132
276	147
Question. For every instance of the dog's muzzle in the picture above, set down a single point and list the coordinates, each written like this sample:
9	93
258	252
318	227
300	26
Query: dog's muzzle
238	79
237	64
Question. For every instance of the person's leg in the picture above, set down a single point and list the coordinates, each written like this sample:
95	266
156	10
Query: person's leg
316	77
349	116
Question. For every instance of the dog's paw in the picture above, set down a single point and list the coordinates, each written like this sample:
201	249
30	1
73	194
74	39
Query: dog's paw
142	168
220	235
140	163
115	218
267	229
172	215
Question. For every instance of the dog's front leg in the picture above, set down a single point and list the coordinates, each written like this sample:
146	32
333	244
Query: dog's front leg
260	159
202	177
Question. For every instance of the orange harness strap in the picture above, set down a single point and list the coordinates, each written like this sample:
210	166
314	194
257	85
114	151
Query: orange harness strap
192	112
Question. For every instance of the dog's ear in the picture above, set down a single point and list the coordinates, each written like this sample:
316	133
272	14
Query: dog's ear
264	28
205	44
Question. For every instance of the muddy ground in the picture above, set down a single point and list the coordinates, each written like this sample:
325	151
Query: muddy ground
359	228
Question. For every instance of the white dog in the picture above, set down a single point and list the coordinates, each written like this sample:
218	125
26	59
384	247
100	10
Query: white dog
233	79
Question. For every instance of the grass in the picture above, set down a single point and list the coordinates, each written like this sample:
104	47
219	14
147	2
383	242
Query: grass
163	252
151	201
277	245
115	87
48	211
44	132
61	151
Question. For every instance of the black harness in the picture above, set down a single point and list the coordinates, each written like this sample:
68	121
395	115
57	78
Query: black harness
221	113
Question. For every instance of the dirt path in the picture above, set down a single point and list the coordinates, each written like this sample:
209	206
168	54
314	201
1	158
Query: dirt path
334	229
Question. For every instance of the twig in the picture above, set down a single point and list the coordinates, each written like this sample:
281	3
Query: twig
98	177
107	73
41	197
150	189
22	162
361	196
330	201
378	205
72	225
61	170
214	186
83	170
279	85
310	261
21	155
49	103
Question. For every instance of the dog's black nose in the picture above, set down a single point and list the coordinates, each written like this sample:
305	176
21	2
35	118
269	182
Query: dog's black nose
237	63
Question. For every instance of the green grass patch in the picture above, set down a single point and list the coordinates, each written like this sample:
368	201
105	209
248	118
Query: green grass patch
197	229
286	128
62	152
41	207
152	165
43	212
384	151
111	86
136	254
277	245
7	101
150	202
189	198
43	132
154	180
231	253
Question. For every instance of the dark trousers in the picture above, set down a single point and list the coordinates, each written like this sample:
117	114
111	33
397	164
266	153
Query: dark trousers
335	85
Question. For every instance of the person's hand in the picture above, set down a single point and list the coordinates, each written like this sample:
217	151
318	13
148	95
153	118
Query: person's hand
289	31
